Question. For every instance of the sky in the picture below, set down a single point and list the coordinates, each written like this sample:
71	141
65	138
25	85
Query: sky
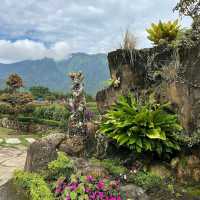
34	29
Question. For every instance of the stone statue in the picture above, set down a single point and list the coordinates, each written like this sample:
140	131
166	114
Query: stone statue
77	105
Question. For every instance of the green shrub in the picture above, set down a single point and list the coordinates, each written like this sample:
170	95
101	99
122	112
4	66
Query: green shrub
112	166
141	126
163	32
33	184
52	112
6	108
39	121
49	122
145	180
61	167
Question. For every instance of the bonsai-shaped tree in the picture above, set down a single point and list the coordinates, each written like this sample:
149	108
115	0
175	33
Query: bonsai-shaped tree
15	100
14	82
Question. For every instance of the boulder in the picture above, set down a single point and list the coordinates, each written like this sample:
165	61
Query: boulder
9	192
171	73
188	168
134	192
43	151
80	145
73	145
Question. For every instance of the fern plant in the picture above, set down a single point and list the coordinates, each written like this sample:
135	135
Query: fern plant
141	126
163	32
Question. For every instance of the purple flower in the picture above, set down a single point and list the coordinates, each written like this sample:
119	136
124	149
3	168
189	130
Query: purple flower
73	186
87	190
100	185
93	196
68	197
89	178
88	115
101	195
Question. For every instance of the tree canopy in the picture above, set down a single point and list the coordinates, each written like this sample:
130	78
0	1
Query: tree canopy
189	8
14	82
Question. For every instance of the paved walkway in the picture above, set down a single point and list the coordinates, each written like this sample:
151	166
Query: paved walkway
10	160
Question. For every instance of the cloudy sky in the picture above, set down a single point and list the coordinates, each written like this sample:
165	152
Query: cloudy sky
33	29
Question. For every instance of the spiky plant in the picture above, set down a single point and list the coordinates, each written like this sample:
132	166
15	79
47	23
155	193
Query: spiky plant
163	32
141	126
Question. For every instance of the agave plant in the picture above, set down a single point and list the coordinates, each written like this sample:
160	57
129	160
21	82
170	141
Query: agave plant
163	32
142	126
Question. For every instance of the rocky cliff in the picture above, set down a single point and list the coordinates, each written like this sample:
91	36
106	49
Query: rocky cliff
172	73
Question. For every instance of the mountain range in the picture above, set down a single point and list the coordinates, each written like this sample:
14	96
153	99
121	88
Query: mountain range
53	74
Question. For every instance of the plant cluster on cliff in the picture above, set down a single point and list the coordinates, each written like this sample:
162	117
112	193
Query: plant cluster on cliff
141	127
163	32
129	41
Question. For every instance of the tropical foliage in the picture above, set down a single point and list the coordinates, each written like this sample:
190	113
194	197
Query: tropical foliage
163	32
141	126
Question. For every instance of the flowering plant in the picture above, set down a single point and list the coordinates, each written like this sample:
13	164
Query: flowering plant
88	188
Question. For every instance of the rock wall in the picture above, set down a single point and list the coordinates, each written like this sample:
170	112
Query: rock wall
24	127
172	73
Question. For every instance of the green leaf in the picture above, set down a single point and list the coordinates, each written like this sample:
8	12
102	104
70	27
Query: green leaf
156	134
73	195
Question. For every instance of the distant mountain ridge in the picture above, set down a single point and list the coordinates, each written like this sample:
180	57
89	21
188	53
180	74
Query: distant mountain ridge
53	74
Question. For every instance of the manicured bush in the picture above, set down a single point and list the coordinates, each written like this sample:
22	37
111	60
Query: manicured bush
33	184
14	82
163	32
142	127
39	121
5	108
51	112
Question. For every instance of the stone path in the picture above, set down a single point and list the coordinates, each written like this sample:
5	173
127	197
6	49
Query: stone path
10	160
16	141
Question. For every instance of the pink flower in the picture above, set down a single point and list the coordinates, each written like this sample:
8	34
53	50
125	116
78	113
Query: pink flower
87	190
100	185
73	186
101	195
89	178
68	197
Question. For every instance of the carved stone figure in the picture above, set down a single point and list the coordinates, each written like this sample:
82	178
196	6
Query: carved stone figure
77	105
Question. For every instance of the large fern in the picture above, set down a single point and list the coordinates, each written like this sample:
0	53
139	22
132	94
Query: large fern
163	32
141	127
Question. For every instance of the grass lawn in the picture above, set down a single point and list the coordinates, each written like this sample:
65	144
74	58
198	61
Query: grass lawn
10	133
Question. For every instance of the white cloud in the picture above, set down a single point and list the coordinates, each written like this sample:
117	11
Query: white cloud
84	26
27	49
